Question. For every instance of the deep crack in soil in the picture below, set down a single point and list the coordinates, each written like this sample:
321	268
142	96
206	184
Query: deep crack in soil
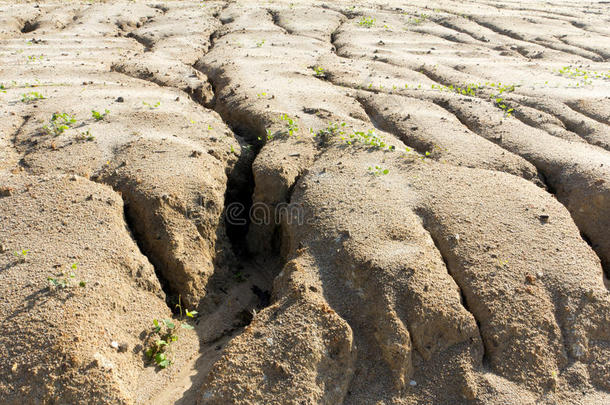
364	202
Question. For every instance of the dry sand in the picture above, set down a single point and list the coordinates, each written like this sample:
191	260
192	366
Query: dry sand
447	164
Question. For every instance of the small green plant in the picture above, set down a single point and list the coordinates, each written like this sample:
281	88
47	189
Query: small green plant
59	123
189	314
2	88
98	116
319	71
583	76
85	136
31	96
260	43
292	126
22	255
369	138
377	170
472	89
501	104
166	332
467	89
366	22
33	58
152	106
66	279
417	20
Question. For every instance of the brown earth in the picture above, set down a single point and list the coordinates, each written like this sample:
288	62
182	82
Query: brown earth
366	203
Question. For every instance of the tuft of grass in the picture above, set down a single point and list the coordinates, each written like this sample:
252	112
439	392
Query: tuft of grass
319	71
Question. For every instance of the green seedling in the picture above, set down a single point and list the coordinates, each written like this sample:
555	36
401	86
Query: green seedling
85	136
472	89
502	262
166	330
22	255
98	116
377	170
418	20
319	71
152	106
583	76
366	22
369	138
260	43
31	96
291	125
59	123
467	90
2	88
239	277
33	58
66	280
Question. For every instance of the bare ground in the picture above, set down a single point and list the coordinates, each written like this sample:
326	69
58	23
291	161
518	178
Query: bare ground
373	202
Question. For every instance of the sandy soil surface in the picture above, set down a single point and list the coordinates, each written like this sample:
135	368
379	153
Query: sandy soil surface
376	202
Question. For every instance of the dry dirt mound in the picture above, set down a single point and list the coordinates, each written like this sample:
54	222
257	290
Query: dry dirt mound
374	202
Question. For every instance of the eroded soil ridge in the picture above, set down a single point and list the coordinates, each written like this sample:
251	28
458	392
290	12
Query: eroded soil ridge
374	202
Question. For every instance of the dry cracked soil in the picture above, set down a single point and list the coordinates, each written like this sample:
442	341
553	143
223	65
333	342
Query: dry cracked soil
370	202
